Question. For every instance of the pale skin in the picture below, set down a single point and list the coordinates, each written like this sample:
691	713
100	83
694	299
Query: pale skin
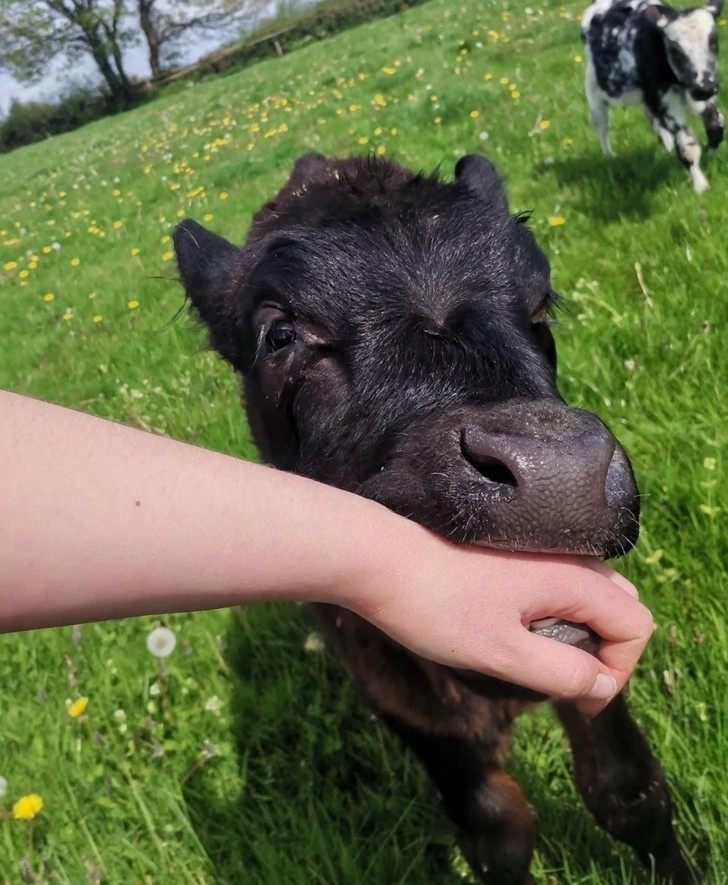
101	521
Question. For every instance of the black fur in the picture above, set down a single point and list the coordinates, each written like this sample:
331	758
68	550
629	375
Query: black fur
391	332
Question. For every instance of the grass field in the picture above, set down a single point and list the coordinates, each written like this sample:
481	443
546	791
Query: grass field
248	759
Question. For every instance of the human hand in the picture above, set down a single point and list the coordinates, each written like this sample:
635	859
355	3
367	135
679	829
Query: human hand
471	608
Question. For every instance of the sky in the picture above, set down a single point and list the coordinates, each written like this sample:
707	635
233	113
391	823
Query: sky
60	78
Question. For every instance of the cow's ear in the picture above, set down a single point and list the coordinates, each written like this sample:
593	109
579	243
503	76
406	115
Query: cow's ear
206	263
715	7
307	168
660	16
479	175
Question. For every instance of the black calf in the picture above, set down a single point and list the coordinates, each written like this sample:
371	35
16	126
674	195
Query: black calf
392	335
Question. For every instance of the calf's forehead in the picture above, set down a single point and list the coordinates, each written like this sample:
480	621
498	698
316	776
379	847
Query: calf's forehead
355	276
691	32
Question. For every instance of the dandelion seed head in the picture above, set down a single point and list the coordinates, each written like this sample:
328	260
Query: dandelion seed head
161	642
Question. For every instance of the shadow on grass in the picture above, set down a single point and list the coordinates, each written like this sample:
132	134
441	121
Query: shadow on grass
615	188
329	795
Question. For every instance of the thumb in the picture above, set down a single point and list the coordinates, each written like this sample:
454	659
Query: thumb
560	670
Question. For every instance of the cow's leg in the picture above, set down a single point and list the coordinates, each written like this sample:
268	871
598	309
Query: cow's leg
457	735
672	117
494	825
665	136
714	125
624	787
598	109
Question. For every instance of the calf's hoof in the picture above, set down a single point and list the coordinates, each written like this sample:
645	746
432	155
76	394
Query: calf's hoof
700	182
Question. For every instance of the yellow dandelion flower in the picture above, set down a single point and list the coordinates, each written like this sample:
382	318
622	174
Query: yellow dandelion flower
381	150
32	264
68	315
393	131
117	225
504	81
75	262
488	76
578	59
380	100
46	250
77	708
166	238
208	217
475	114
27	807
48	297
168	256
515	95
544	124
437	121
224	195
180	213
567	142
96	318
92	295
363	139
116	192
23	274
387	69
135	251
556	220
132	305
10	265
175	186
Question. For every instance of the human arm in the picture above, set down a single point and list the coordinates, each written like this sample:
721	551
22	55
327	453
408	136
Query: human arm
99	521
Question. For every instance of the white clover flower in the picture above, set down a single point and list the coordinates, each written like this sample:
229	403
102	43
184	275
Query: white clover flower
3	787
213	704
161	642
314	644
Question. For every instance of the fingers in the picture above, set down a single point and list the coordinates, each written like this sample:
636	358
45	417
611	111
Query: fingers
610	611
558	670
620	581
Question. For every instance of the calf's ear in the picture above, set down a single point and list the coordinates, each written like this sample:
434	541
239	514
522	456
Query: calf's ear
206	262
307	168
660	16
479	175
715	7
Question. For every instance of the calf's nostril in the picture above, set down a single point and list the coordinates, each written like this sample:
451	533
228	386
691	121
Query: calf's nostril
494	471
488	465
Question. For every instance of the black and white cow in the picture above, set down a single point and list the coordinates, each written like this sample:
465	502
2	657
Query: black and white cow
641	52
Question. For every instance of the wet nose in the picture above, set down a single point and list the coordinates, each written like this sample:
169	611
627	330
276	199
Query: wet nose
708	88
553	484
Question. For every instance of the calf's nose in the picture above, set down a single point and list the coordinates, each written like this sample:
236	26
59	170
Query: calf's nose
550	485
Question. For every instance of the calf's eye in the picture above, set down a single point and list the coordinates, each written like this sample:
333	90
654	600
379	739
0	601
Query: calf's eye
280	334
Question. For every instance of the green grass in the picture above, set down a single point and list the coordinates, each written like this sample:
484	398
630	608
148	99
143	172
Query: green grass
289	781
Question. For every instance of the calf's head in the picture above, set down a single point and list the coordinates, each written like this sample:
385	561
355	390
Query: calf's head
392	333
691	43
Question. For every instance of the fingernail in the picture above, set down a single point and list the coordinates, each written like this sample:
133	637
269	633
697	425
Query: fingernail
604	688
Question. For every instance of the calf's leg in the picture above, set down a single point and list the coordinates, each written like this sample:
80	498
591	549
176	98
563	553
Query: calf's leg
714	125
494	825
457	735
624	787
672	118
598	110
665	136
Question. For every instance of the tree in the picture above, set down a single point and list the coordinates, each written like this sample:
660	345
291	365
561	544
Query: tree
165	22
35	32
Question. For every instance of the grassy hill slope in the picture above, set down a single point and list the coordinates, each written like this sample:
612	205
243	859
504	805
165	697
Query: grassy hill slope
249	760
